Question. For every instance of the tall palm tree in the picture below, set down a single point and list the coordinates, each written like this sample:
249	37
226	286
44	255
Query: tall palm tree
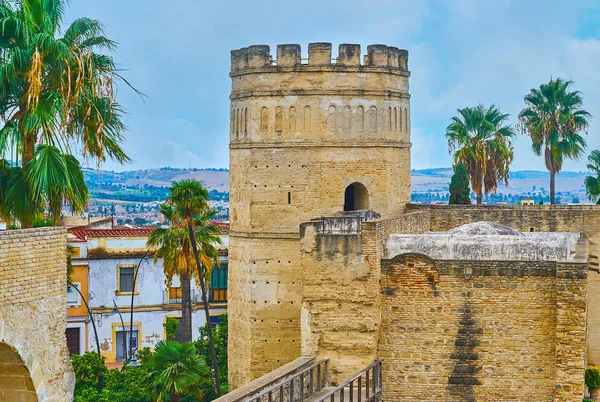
174	369
480	139
592	184
554	119
56	90
188	249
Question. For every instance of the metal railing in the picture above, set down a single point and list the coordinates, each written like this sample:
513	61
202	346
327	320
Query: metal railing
363	387
299	386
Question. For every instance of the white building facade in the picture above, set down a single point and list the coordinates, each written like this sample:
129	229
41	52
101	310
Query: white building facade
113	257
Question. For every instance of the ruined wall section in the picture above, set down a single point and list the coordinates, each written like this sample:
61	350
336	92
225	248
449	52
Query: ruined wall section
538	218
341	298
301	132
482	330
33	304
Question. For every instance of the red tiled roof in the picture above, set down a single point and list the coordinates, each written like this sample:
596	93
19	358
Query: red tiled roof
81	233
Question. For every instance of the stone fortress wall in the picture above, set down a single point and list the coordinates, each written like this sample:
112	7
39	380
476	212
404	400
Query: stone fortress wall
584	219
302	132
454	330
34	360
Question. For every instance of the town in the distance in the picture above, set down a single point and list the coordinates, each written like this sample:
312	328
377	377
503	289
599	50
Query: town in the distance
132	198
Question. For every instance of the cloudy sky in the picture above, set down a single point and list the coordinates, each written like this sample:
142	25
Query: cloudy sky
461	53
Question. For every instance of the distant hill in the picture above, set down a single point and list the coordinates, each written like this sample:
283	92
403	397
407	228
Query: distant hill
434	179
213	179
520	181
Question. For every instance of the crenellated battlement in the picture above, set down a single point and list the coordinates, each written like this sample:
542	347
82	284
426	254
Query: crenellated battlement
319	55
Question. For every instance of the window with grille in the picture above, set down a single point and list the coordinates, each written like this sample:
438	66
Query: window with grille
218	284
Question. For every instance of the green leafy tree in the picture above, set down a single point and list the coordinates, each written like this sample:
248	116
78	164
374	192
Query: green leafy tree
221	333
459	186
479	138
57	92
554	120
96	383
592	184
175	369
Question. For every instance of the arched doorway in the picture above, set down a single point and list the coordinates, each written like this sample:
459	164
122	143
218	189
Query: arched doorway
356	197
14	375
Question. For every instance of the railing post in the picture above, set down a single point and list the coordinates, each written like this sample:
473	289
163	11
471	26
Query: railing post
367	372
281	393
318	377
301	387
326	373
292	390
360	388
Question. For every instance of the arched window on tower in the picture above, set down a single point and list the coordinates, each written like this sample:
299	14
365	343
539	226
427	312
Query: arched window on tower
307	120
373	119
278	120
292	118
347	119
264	120
332	120
360	118
356	197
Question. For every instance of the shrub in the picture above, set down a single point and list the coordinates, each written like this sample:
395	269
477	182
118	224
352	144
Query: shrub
592	377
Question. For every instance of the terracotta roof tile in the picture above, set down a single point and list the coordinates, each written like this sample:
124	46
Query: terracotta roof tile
81	233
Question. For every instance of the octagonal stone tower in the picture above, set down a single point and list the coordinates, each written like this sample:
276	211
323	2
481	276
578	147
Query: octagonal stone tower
309	138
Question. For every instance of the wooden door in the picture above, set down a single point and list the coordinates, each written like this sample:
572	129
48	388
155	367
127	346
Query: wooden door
73	340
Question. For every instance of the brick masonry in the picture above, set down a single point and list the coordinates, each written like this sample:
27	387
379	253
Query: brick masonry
447	330
584	219
33	348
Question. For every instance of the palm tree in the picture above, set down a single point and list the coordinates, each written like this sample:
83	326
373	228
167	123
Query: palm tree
554	120
174	369
56	90
188	249
479	139
592	184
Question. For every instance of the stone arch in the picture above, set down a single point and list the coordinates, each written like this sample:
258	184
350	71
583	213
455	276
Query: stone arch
356	197
420	268
15	380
